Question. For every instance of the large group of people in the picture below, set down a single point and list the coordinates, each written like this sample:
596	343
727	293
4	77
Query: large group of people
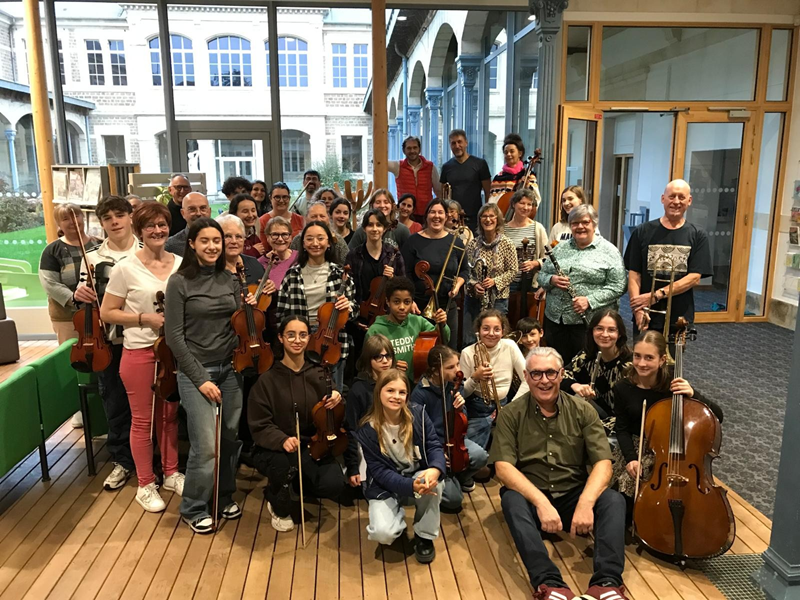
539	408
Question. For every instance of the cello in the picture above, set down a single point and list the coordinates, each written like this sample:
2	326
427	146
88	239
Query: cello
91	352
166	384
330	437
679	511
523	303
263	300
455	427
375	305
426	339
253	355
325	342
504	201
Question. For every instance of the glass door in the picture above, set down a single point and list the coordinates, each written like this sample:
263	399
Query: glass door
710	152
580	137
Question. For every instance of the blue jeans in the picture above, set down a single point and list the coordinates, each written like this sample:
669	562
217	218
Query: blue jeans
387	518
452	496
479	428
199	485
472	308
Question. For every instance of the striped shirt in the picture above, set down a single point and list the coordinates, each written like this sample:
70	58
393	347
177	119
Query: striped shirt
537	239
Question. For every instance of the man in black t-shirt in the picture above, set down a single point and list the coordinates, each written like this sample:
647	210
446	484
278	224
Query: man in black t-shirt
179	186
467	175
665	241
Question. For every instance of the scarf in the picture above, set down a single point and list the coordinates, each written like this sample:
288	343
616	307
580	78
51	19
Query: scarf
515	170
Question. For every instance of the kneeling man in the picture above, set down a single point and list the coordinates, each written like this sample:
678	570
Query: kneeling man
543	443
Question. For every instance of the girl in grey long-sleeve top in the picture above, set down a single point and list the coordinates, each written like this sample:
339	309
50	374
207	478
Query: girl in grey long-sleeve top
200	299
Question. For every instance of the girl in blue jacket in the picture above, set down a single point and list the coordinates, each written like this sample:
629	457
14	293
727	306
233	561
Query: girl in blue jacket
404	462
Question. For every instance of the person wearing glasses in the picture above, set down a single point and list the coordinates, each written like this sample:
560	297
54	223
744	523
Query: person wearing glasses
234	230
289	391
194	206
280	197
179	187
543	444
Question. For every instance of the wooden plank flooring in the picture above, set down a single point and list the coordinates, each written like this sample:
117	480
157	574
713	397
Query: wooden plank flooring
28	352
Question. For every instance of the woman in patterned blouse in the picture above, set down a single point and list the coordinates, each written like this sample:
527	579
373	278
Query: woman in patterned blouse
499	269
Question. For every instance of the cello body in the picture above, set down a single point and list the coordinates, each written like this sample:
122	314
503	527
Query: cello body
424	343
375	306
457	427
523	303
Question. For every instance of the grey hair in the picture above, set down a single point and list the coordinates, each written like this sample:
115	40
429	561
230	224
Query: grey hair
581	211
229	218
495	210
544	352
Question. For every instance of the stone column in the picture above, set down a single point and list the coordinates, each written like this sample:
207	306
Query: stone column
527	69
549	15
413	120
12	157
398	150
468	69
434	96
392	142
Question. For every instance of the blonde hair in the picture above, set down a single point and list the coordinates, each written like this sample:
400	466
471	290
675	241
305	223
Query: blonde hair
60	211
376	417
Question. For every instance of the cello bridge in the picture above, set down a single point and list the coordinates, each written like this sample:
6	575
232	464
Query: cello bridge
331	437
675	479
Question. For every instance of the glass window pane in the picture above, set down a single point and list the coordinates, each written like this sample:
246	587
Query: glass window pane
678	63
526	53
760	239
713	156
577	63
779	54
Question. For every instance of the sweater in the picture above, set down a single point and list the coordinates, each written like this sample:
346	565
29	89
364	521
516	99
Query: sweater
506	359
383	479
403	335
276	396
359	401
197	321
608	374
429	395
396	237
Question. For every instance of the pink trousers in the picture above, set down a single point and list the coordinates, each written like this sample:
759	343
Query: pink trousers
137	370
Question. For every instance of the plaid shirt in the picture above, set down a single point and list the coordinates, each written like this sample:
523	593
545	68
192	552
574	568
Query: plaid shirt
292	298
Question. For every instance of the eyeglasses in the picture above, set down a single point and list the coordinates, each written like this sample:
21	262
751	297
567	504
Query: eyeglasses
584	223
150	227
182	187
382	357
292	336
277	236
286	197
551	374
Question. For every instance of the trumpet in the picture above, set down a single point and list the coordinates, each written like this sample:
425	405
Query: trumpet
488	388
430	308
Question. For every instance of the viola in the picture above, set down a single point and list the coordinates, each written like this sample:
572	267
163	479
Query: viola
679	511
426	339
455	428
504	201
523	303
325	342
253	355
91	352
330	437
263	300
166	384
375	305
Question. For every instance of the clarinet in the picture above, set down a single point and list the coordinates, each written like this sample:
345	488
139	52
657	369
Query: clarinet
570	288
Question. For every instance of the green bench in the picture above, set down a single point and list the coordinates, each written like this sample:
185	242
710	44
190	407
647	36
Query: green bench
20	431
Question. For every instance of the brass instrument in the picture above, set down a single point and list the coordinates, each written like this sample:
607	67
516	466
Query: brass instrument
664	263
447	191
515	336
488	388
570	288
430	309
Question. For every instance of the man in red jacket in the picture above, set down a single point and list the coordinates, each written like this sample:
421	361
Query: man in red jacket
416	175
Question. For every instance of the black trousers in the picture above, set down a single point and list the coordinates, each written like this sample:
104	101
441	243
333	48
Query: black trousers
568	340
609	535
321	479
118	411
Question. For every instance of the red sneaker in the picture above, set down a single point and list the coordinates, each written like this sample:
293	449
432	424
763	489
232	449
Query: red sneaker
545	592
599	592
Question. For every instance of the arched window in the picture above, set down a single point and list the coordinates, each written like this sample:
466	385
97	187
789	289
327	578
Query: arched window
229	62
182	61
292	62
296	150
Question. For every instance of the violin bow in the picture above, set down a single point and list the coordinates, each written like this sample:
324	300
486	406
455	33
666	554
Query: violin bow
218	434
300	475
639	473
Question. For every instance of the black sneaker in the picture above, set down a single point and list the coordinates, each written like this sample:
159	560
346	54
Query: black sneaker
424	550
468	485
231	512
203	525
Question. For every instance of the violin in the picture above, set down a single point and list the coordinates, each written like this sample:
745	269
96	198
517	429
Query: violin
166	384
375	305
253	356
679	511
504	201
455	428
325	342
426	339
523	303
330	437
91	352
263	300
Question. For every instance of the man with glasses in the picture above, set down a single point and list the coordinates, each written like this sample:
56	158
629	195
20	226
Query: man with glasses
194	206
543	443
179	186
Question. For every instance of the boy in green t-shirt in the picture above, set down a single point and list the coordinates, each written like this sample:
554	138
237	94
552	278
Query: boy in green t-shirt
401	327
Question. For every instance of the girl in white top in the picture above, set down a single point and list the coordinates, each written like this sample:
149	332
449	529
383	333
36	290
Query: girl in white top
571	197
130	301
505	361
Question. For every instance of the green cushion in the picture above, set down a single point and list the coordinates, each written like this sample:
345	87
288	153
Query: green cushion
96	411
19	418
57	384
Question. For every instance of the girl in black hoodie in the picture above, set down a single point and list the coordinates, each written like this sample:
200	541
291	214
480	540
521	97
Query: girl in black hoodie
292	385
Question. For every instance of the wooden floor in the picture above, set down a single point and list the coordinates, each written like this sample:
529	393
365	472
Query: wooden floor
28	352
69	538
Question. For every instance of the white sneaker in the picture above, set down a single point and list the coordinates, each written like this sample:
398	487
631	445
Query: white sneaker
77	420
280	523
149	498
174	483
117	478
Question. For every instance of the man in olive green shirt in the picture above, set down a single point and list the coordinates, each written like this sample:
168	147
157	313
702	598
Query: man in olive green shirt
543	444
